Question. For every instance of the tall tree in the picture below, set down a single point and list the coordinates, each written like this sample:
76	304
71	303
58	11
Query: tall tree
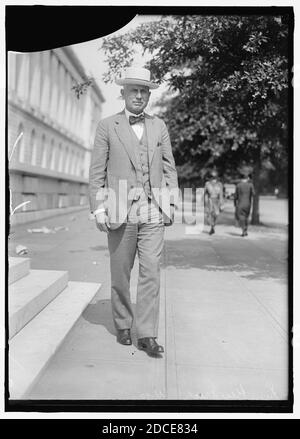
230	79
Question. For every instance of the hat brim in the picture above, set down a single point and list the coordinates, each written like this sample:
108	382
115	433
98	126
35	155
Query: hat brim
129	81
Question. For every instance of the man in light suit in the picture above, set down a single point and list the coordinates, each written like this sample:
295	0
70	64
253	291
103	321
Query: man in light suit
213	199
133	189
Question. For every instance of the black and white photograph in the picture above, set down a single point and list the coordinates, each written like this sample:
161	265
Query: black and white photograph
150	188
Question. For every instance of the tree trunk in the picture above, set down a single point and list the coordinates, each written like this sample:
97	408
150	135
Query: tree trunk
256	183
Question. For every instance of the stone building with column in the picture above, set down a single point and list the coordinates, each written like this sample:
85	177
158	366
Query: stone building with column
49	165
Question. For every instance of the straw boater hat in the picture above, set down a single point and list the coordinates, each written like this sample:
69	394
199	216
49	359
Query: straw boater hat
137	76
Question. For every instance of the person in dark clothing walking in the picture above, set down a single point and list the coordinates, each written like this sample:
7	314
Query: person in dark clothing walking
243	199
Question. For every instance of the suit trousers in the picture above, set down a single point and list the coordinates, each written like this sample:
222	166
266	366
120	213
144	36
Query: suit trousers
142	234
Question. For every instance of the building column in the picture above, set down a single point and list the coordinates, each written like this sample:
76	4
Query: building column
45	154
86	118
23	75
12	65
66	161
34	149
21	146
68	99
54	84
61	92
73	113
35	80
45	83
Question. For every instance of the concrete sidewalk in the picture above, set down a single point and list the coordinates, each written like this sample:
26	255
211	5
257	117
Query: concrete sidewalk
223	319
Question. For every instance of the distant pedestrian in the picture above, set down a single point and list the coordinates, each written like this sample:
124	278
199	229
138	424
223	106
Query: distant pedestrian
213	199
243	199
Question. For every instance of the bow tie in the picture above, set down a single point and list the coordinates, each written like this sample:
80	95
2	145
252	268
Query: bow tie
136	119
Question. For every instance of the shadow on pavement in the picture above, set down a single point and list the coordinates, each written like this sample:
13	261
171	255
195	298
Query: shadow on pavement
271	225
100	313
99	247
227	217
187	253
235	234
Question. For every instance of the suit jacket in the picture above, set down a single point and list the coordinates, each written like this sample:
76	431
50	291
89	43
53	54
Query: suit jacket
114	164
243	194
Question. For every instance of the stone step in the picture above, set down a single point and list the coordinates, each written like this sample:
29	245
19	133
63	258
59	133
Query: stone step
18	268
29	295
32	348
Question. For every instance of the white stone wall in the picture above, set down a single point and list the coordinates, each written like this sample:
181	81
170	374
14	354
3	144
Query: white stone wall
58	129
40	86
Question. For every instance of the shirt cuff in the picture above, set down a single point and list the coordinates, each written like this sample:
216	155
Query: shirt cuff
100	210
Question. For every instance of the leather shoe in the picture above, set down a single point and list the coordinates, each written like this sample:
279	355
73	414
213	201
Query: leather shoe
124	337
150	345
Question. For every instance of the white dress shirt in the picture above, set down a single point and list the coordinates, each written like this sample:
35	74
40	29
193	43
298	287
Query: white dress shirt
138	127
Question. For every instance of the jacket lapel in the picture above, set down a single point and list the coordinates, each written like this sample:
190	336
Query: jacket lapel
122	129
150	132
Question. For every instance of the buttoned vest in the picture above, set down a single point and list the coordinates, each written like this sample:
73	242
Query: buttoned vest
142	159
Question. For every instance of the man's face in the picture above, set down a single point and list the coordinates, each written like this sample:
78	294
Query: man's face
136	97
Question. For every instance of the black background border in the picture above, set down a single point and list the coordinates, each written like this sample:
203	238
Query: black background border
37	28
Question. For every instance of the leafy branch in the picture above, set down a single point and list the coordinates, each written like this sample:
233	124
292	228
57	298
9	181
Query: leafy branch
80	88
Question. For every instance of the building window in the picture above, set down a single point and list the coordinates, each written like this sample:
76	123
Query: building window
78	164
41	151
52	155
21	145
83	200
82	165
13	145
28	150
62	200
33	148
66	160
75	163
70	157
71	167
32	205
60	158
44	153
57	158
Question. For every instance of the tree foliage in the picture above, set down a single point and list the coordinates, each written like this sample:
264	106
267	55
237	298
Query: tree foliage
228	78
